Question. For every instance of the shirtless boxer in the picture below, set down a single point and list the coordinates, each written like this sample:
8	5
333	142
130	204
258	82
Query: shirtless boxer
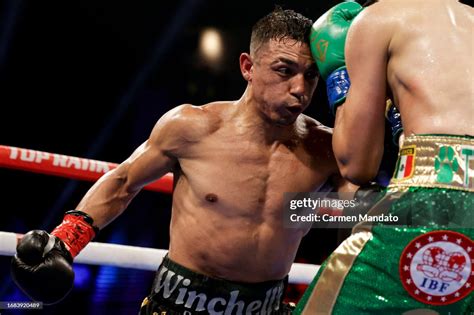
420	52
232	162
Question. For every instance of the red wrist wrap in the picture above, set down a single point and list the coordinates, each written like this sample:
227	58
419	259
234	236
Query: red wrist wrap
75	232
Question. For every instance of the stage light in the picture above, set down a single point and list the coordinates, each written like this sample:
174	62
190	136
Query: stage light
210	44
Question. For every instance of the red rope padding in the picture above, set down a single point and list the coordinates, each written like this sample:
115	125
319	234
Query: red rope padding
67	166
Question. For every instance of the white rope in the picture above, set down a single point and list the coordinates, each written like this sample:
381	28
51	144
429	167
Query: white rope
138	257
7	243
302	273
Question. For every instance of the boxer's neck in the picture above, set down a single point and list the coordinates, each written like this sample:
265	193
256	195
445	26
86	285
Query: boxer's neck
251	120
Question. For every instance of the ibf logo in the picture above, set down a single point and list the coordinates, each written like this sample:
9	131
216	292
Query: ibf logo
437	267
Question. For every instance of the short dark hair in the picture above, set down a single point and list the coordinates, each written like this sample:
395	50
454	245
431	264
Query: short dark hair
280	24
369	2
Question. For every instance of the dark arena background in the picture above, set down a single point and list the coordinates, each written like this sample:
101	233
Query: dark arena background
90	79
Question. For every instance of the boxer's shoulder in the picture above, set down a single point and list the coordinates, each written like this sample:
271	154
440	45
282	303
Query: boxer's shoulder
313	128
317	137
192	122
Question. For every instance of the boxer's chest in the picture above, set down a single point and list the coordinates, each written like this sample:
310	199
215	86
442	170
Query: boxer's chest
240	173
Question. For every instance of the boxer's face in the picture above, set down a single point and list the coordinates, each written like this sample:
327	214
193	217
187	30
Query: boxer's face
283	78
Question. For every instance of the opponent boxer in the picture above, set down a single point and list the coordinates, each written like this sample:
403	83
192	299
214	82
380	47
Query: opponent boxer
421	53
232	161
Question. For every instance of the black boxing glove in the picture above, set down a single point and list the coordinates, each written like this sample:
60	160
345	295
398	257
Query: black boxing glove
365	197
42	266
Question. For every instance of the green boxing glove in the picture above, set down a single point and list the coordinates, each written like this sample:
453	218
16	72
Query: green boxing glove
328	39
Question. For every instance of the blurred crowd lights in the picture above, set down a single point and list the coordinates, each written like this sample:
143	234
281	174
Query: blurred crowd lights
211	44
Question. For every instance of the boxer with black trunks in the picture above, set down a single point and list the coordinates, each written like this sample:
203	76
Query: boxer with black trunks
232	163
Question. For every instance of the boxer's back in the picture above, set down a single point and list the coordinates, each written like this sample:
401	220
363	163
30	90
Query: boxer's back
430	65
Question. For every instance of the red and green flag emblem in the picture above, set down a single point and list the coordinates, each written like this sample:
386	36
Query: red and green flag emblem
405	163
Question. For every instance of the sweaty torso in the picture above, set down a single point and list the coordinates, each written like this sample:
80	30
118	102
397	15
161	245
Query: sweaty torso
227	216
430	68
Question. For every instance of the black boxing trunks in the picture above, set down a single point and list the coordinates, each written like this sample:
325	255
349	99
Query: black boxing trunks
178	290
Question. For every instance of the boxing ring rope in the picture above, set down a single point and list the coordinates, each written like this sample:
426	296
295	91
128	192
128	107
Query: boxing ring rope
67	166
95	253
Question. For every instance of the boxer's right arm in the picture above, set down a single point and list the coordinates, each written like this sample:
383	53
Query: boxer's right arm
42	265
158	155
112	193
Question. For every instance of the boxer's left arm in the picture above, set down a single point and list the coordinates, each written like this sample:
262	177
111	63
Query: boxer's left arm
358	139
